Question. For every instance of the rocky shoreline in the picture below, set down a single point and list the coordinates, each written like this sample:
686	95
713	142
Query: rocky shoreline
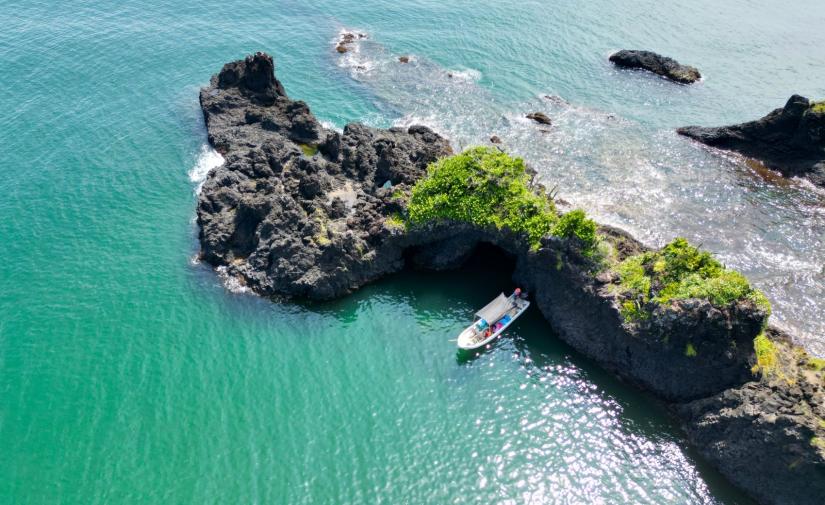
298	210
790	139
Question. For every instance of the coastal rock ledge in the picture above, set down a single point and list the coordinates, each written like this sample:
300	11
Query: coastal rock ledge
299	210
790	139
656	63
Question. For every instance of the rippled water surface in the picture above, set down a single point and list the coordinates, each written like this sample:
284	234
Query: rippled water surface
130	374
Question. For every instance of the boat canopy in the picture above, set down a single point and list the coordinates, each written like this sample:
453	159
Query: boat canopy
493	311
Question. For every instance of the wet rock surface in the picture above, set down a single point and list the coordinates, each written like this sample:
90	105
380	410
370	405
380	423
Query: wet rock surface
790	139
299	210
656	63
346	40
540	118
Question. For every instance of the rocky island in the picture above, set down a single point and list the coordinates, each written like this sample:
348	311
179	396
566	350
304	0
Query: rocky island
656	63
298	210
790	139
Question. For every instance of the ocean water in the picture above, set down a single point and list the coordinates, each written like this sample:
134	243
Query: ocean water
129	373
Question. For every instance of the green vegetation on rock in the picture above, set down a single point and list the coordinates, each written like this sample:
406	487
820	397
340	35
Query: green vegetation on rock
767	355
576	224
818	107
485	187
815	364
680	271
398	194
309	150
690	351
395	222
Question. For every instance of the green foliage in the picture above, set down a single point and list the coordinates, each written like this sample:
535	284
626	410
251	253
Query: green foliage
690	351
576	224
632	311
633	276
679	271
818	107
485	187
818	442
398	194
309	150
728	286
817	365
395	222
767	356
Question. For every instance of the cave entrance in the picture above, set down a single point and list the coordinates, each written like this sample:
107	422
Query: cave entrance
484	263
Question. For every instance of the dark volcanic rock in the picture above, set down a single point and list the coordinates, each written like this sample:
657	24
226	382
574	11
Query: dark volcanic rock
767	436
298	210
346	40
656	63
790	140
540	117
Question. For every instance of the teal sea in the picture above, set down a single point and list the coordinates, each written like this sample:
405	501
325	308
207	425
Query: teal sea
130	373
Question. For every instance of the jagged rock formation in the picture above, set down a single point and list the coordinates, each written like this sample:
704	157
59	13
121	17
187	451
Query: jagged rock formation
298	210
656	63
767	436
790	140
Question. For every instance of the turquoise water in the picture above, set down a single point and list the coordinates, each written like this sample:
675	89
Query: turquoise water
130	374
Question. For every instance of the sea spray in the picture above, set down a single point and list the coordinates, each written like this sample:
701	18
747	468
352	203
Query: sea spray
208	158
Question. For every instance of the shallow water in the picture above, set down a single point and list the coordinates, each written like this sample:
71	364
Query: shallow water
129	374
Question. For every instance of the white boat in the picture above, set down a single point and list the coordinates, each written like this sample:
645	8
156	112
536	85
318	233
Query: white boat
502	312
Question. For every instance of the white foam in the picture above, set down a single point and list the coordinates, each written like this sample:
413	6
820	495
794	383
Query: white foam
208	159
230	282
329	125
468	74
430	122
353	59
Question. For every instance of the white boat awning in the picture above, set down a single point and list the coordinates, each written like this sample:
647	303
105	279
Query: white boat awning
493	311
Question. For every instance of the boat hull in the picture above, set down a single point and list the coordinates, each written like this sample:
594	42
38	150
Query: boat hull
468	341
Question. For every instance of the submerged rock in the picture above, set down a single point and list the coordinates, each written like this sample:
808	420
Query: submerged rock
540	117
656	63
298	210
495	139
404	59
790	139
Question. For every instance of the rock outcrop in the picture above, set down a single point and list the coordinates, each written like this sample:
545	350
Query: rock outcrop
298	210
790	139
767	436
347	39
656	63
540	118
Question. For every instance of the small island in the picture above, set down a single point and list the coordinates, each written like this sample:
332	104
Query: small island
301	211
660	65
790	139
